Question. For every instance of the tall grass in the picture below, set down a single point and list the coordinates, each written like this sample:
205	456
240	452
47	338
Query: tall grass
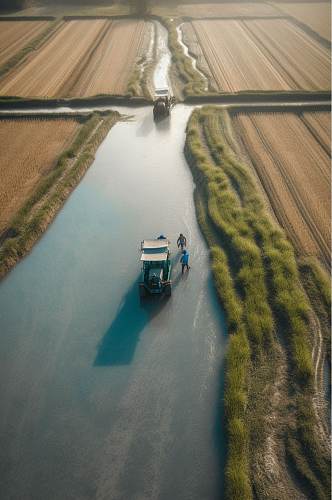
258	282
193	82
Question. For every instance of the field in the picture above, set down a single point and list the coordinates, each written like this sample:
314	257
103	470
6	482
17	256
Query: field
316	15
204	10
82	58
290	154
258	54
14	35
24	159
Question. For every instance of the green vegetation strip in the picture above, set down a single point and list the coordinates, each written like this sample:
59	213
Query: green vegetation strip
258	282
32	45
34	217
192	80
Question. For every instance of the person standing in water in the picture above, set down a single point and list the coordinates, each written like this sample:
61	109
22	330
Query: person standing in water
185	260
181	241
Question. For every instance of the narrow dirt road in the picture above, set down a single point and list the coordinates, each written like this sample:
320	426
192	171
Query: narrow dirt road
104	397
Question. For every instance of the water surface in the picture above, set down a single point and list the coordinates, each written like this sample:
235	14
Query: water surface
103	396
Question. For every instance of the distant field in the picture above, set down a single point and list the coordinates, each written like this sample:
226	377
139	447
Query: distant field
203	10
14	35
316	15
290	154
258	54
24	159
82	58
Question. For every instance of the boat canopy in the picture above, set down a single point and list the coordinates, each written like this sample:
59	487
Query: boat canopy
155	250
154	256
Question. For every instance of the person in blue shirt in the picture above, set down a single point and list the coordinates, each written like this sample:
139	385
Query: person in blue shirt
185	260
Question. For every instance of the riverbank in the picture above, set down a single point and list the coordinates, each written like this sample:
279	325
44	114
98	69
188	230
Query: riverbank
271	324
53	189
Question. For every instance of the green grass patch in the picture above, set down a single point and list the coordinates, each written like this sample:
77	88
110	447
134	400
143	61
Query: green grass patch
258	282
193	82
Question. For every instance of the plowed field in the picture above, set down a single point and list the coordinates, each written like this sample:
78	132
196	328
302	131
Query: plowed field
260	54
294	170
82	58
203	10
24	158
316	15
14	35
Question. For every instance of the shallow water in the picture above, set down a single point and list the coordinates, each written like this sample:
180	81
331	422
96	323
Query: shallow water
163	56
192	59
102	396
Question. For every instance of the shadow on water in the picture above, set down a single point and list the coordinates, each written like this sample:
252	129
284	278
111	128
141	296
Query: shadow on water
147	125
118	345
163	125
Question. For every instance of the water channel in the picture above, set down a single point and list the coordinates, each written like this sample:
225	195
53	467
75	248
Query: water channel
102	395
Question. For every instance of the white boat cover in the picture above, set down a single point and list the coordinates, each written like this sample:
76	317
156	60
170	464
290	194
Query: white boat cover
156	256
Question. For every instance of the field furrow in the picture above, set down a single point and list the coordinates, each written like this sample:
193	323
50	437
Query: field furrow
14	35
320	126
260	54
316	15
294	171
83	58
303	59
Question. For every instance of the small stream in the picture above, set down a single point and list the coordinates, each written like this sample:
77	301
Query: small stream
161	73
187	53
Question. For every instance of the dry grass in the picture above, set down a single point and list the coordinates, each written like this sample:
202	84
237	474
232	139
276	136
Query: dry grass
24	159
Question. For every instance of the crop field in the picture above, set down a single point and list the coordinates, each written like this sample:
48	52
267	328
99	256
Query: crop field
316	15
14	35
82	58
259	54
290	154
24	158
197	10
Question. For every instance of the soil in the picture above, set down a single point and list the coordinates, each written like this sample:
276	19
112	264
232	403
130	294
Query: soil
14	35
261	54
315	15
294	170
83	58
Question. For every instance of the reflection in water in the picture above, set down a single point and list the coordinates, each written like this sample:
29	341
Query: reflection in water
119	342
164	124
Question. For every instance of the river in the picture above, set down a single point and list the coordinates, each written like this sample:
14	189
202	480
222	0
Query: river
103	396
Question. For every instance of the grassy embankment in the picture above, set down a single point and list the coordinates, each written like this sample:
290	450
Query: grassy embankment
41	208
193	83
141	78
258	283
32	45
